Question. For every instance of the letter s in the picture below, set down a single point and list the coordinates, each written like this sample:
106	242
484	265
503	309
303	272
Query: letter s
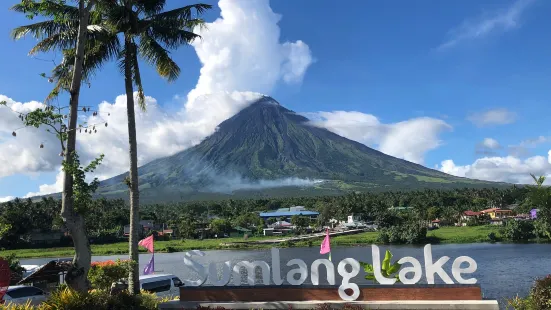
196	267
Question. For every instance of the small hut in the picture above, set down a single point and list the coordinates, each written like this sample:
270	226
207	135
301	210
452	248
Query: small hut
49	275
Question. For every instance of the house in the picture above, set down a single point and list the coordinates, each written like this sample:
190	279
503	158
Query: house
435	223
239	231
469	215
534	214
497	213
146	226
45	237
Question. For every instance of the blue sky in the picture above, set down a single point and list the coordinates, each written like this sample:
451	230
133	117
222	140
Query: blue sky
470	79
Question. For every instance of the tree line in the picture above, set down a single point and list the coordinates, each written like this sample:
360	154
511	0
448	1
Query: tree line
105	219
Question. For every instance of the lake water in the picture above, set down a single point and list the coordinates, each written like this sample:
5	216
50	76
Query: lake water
504	270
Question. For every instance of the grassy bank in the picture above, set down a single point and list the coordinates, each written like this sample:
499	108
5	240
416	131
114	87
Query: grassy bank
442	235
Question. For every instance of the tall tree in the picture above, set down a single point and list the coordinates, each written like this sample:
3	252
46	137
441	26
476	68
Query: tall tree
148	33
62	21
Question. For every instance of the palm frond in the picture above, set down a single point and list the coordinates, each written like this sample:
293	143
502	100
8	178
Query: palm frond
156	55
172	37
138	79
50	9
150	7
61	41
183	13
98	53
43	29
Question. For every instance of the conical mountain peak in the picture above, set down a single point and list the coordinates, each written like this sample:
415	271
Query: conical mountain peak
266	143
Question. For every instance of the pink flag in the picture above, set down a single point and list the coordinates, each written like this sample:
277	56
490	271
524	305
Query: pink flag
147	243
325	245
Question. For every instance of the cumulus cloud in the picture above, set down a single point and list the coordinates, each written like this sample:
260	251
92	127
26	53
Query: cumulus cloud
409	140
46	189
500	21
22	153
488	146
503	169
6	199
493	117
523	148
241	56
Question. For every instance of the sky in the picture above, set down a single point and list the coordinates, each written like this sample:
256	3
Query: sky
459	86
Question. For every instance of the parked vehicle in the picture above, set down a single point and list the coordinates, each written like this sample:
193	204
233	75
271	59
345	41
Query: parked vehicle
161	284
20	294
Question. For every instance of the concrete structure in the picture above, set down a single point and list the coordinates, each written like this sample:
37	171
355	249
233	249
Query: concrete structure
448	296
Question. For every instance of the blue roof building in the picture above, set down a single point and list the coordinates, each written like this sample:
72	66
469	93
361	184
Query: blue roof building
288	213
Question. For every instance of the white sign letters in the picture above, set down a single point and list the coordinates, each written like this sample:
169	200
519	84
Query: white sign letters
299	271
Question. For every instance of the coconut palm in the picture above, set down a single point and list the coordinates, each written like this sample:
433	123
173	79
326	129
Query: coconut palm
149	34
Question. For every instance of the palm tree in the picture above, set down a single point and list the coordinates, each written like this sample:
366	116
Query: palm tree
149	33
67	28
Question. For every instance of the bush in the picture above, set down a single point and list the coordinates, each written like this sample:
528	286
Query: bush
103	274
403	234
68	299
539	298
518	230
492	237
540	294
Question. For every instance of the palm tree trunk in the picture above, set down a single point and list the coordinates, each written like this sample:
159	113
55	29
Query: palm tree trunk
77	276
133	279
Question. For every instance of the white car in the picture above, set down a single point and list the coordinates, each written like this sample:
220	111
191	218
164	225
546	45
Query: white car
20	294
161	284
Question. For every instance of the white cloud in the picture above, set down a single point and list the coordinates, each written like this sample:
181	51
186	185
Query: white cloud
490	143
503	169
241	56
522	149
499	21
46	189
488	147
409	140
22	153
241	51
493	117
6	199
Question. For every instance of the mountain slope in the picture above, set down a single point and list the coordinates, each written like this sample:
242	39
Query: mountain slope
266	146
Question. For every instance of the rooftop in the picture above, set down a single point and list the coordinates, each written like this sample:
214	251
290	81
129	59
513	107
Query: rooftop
495	210
288	213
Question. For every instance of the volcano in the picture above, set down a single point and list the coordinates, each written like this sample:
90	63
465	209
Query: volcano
267	150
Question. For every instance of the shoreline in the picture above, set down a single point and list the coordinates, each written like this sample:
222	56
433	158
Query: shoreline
444	235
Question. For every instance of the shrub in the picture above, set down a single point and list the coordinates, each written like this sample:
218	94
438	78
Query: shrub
403	234
540	293
68	299
518	230
492	237
103	274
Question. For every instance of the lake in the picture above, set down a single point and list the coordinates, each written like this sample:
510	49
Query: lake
504	270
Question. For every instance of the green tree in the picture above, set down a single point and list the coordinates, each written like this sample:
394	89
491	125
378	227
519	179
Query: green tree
540	197
300	222
186	227
220	226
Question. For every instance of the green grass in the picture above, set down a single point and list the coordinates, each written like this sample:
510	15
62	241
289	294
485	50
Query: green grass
467	234
443	235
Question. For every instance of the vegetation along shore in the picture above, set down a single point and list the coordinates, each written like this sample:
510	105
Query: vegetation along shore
476	234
